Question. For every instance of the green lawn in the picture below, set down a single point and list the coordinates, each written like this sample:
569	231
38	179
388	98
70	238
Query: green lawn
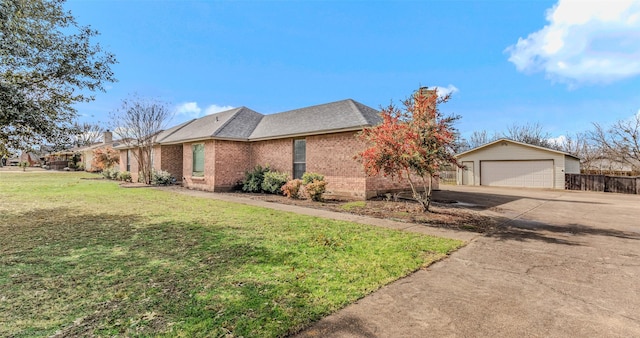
86	257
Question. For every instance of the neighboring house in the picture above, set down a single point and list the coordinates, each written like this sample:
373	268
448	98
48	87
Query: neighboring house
606	166
509	163
60	159
87	152
32	158
213	153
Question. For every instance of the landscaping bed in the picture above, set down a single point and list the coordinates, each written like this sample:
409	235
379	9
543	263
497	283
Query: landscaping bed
444	213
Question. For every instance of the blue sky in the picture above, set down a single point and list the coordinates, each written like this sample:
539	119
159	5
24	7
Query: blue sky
561	64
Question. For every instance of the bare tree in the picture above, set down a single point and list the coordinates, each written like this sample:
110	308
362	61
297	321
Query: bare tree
137	122
620	142
479	138
86	133
530	133
581	146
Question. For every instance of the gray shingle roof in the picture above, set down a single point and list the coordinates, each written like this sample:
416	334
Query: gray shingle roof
245	124
340	115
168	132
237	123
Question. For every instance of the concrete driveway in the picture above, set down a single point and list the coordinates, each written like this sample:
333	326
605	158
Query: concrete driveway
563	264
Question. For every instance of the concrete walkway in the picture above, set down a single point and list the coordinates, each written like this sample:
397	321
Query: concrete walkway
564	264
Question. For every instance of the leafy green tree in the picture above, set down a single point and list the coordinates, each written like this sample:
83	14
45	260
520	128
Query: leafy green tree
47	64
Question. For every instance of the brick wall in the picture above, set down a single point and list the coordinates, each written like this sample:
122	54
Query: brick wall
278	154
199	183
123	160
170	159
232	160
332	155
156	158
133	162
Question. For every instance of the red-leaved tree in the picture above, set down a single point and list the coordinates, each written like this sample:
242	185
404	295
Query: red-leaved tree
411	143
105	158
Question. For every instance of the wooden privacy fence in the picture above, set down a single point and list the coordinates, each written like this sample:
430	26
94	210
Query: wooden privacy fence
605	183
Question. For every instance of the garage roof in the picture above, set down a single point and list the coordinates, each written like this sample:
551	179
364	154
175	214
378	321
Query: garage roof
515	142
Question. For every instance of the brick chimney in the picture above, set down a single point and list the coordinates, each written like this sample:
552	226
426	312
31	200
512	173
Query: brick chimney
107	137
423	96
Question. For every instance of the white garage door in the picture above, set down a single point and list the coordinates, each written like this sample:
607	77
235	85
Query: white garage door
532	174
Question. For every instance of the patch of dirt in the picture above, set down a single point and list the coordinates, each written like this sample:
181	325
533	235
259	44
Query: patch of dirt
443	213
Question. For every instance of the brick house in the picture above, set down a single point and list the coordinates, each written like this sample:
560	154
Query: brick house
213	153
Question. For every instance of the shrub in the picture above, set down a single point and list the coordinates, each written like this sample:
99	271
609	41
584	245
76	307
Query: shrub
161	178
110	173
125	176
273	182
314	185
310	177
315	189
253	179
23	165
292	188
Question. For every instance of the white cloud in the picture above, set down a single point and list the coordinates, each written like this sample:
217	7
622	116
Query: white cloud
214	108
189	109
584	42
559	141
444	91
192	110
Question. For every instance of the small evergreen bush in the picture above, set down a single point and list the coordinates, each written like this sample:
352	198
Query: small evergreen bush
161	178
253	179
125	176
273	182
315	189
23	165
110	173
310	177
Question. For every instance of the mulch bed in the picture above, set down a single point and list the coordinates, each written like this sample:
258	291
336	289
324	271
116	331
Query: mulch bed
443	214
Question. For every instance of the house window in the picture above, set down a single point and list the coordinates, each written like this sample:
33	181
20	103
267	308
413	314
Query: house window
129	160
198	160
299	157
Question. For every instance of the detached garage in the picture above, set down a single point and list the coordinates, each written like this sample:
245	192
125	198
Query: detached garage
507	163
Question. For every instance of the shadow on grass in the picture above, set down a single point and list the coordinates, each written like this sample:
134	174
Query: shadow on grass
75	273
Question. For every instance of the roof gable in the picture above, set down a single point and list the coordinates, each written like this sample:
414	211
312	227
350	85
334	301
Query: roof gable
487	145
236	123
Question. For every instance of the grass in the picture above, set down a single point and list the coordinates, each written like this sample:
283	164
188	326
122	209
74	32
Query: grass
353	205
81	257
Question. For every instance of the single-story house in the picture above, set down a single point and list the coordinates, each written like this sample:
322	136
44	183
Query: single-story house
509	163
213	153
606	166
60	159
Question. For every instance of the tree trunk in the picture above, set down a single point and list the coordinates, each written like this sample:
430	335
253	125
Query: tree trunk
424	198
